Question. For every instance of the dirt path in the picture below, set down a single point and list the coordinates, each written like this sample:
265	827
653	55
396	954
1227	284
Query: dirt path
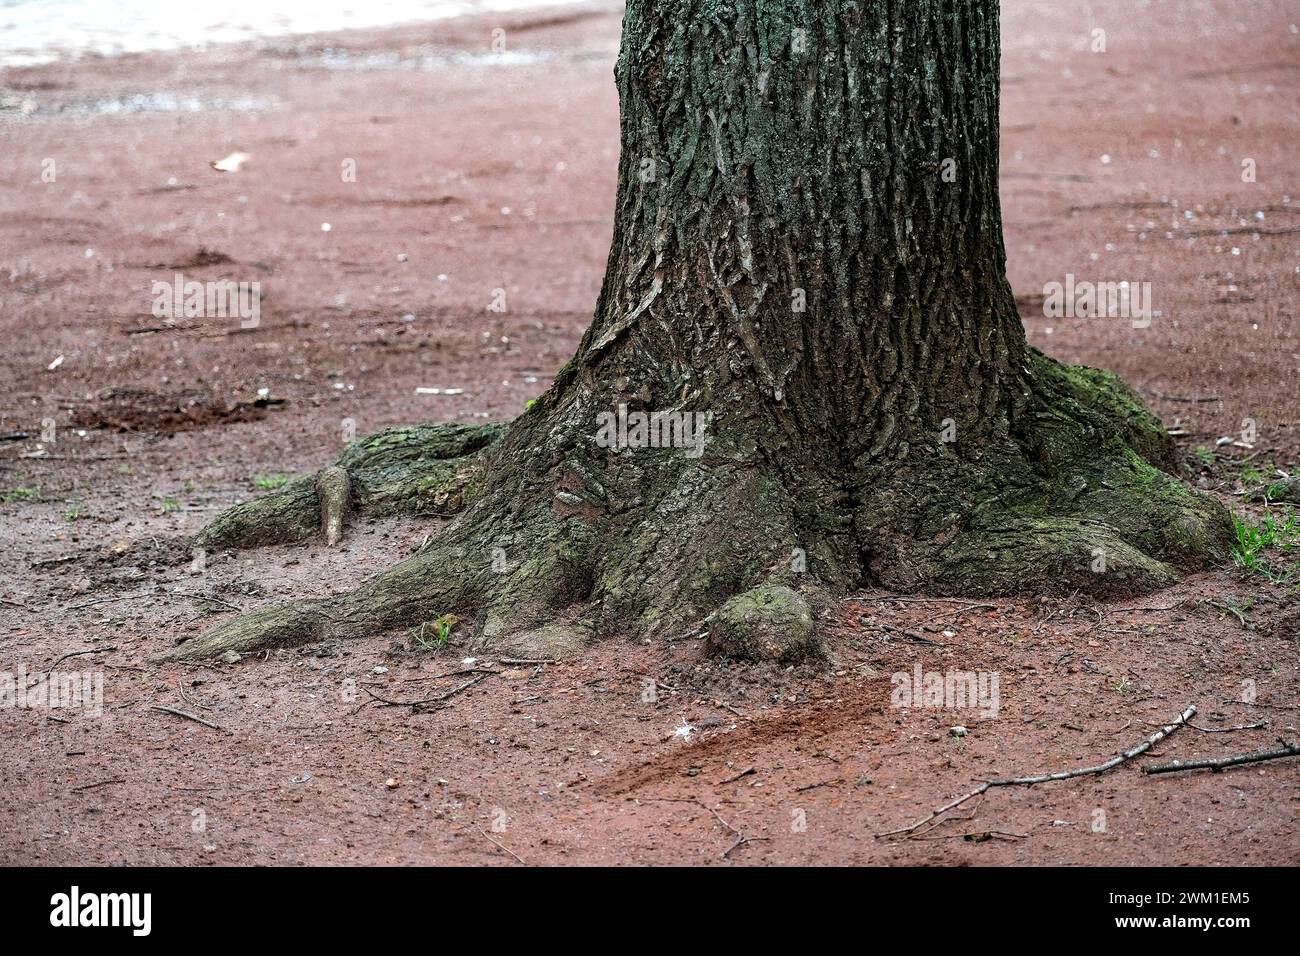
478	172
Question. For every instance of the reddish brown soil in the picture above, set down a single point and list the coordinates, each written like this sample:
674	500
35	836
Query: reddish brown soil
577	764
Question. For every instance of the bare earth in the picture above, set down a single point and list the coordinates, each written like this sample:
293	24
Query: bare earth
478	172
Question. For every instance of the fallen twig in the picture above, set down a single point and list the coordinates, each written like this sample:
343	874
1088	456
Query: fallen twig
180	688
501	846
1030	781
695	630
112	600
459	673
901	599
188	716
741	839
978	836
437	699
1195	399
1220	763
1229	609
734	777
102	783
910	635
89	650
1260	703
1228	730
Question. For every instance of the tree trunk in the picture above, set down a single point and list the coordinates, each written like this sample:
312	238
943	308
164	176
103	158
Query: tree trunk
807	269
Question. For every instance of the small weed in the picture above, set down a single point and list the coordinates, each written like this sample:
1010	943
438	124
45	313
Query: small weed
170	504
1251	474
1254	542
271	482
22	494
1205	456
434	635
76	511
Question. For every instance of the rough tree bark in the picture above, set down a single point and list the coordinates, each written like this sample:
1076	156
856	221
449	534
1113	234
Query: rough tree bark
808	249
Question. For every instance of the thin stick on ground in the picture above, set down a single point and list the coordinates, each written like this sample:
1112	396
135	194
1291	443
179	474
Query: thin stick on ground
180	689
459	673
741	839
1260	703
979	836
101	783
188	716
901	599
501	846
1220	763
89	650
424	701
1228	730
1030	781
910	635
734	777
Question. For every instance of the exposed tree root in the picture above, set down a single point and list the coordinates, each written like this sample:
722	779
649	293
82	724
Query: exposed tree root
556	542
334	489
424	469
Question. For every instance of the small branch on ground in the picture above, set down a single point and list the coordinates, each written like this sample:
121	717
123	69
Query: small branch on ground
457	673
180	689
501	846
424	701
741	839
91	650
188	716
734	777
910	635
1228	730
978	836
1110	764
1260	703
1221	763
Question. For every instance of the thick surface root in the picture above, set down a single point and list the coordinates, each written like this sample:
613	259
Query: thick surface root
554	545
279	625
421	470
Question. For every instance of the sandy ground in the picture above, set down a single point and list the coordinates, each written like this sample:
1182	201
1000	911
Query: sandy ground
479	171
